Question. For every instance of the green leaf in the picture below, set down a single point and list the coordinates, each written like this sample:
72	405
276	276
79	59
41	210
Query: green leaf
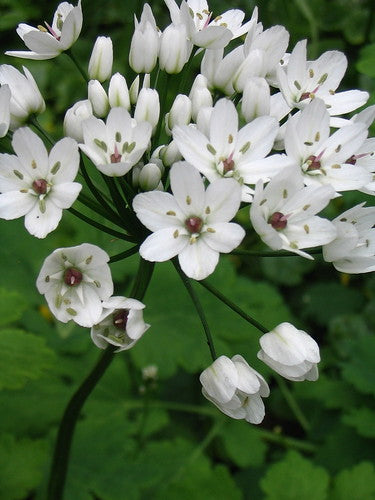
357	483
23	356
287	271
12	306
294	478
359	368
243	443
363	419
22	465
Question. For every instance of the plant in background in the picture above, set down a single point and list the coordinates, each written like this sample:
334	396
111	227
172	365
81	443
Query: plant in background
254	121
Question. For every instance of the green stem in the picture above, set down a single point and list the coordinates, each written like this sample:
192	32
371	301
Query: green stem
100	226
61	454
33	120
233	306
276	253
73	58
292	403
123	255
95	207
198	307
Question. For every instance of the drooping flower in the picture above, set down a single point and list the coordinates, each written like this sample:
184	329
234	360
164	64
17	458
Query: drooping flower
117	145
47	42
353	249
231	153
292	353
25	99
121	324
235	388
192	223
37	185
75	281
283	213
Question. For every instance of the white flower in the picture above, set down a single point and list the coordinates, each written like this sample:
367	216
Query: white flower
290	352
353	250
115	146
282	213
100	64
36	185
192	223
301	81
25	96
5	96
229	152
144	48
48	42
75	281
74	117
325	159
235	388
121	324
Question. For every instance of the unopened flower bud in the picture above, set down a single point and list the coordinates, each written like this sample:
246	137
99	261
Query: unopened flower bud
5	96
180	113
256	99
118	92
170	154
144	46
175	49
149	177
100	65
253	65
200	95
148	107
98	98
74	118
134	90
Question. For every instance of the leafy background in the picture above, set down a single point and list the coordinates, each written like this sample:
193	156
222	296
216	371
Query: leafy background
161	440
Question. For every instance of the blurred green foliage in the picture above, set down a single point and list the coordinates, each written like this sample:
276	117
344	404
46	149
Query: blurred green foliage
162	440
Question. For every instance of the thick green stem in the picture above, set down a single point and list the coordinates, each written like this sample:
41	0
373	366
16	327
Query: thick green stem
124	255
233	306
61	454
198	307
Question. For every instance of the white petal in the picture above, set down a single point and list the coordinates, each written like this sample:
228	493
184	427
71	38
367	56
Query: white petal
225	238
198	260
39	223
64	152
31	151
65	194
223	197
14	204
223	125
220	379
193	147
162	245
255	410
158	210
188	188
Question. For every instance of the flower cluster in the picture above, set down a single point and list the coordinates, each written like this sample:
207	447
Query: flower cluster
259	129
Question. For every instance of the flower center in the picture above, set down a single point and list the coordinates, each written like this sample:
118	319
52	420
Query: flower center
278	221
40	186
115	157
352	160
228	165
120	319
194	224
72	276
313	162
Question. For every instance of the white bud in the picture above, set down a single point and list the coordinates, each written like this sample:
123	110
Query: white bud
5	96
74	118
148	107
175	49
203	120
256	99
118	92
144	47
98	98
100	64
135	174
149	177
199	95
170	154
134	90
180	113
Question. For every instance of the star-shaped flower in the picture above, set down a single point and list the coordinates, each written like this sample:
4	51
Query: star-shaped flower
192	223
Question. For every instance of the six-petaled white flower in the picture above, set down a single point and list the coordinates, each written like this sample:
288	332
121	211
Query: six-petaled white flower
292	353
75	281
283	213
37	185
192	223
121	324
235	388
47	42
